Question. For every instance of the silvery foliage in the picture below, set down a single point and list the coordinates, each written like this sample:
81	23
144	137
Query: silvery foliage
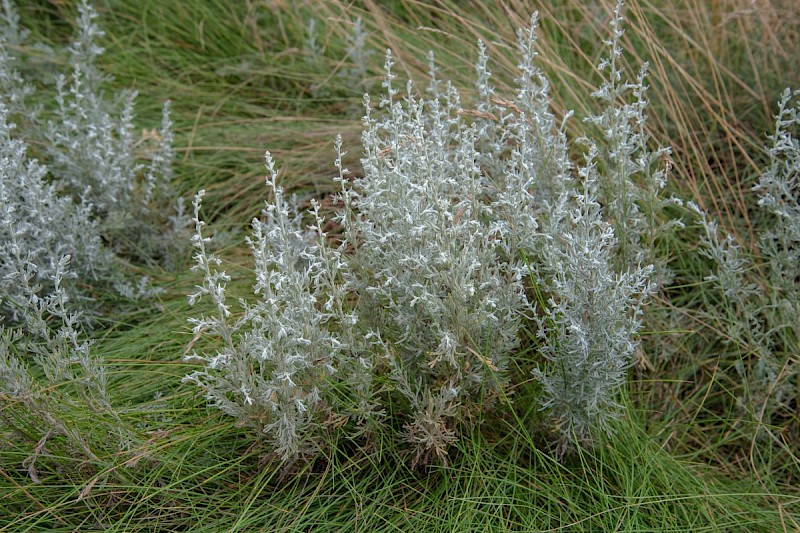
456	209
94	153
740	302
12	86
726	254
522	150
630	187
434	268
779	191
91	163
91	150
599	265
33	217
760	321
50	334
12	33
52	241
590	322
596	285
274	369
40	231
37	222
62	352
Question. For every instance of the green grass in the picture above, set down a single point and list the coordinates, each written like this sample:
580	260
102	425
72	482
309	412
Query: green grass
685	456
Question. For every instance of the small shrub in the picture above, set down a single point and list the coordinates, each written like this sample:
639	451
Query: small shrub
273	376
89	195
760	316
590	322
40	225
68	222
67	410
458	208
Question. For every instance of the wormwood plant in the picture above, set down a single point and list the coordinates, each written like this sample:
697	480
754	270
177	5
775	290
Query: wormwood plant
590	321
459	211
93	152
434	272
632	176
274	375
69	219
39	224
68	410
761	317
116	188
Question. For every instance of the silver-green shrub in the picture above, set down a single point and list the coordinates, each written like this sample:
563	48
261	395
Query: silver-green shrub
633	176
417	312
12	85
272	368
432	267
88	198
69	219
90	157
70	408
779	194
589	325
760	319
92	150
40	224
56	342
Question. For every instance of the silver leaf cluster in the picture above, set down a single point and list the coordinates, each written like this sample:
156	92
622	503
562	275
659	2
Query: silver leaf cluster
459	213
